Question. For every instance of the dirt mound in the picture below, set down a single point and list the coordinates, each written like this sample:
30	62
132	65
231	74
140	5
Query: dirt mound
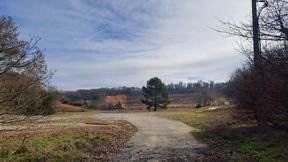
59	107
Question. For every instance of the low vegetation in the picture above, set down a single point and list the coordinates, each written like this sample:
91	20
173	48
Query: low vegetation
230	138
94	140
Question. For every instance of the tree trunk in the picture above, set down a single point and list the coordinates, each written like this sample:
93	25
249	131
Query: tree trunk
261	116
155	100
262	122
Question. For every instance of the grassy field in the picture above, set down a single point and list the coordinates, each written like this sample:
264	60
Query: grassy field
64	137
232	139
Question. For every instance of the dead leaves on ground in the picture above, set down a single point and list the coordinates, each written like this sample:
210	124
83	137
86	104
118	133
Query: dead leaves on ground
114	138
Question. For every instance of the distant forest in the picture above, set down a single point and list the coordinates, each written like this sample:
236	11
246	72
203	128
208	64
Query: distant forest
203	92
190	87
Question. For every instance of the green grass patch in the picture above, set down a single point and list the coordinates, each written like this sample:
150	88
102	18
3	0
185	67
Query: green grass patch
55	147
268	147
89	143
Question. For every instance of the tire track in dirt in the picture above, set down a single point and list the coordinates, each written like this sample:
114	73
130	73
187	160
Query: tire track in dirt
157	139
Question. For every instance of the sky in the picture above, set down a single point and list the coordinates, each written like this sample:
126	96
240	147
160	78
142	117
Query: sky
111	43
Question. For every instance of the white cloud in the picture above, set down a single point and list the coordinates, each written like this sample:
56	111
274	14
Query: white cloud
125	42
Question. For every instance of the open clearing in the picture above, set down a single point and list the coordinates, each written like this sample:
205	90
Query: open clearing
77	136
214	135
156	139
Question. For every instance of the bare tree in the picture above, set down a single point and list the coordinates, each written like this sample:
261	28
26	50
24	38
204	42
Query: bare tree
255	85
24	76
272	22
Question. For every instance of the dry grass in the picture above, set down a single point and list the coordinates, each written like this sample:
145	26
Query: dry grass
64	137
59	107
134	101
202	118
232	139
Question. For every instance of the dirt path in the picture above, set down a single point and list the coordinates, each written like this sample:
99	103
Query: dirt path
157	139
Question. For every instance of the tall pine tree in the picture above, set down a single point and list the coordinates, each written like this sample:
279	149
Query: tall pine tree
155	94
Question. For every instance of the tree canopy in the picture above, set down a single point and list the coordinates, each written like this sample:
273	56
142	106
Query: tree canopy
155	94
261	86
23	73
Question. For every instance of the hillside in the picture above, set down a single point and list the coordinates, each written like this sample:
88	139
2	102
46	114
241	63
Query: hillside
181	95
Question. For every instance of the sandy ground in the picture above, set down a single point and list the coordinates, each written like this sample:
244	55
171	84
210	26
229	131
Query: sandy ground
157	139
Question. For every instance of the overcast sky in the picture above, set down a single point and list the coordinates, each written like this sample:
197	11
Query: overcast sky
110	43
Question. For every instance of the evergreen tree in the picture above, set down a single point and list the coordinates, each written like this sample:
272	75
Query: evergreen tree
155	94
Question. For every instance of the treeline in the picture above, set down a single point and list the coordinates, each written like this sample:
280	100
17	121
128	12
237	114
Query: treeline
191	87
98	94
205	93
261	85
24	77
